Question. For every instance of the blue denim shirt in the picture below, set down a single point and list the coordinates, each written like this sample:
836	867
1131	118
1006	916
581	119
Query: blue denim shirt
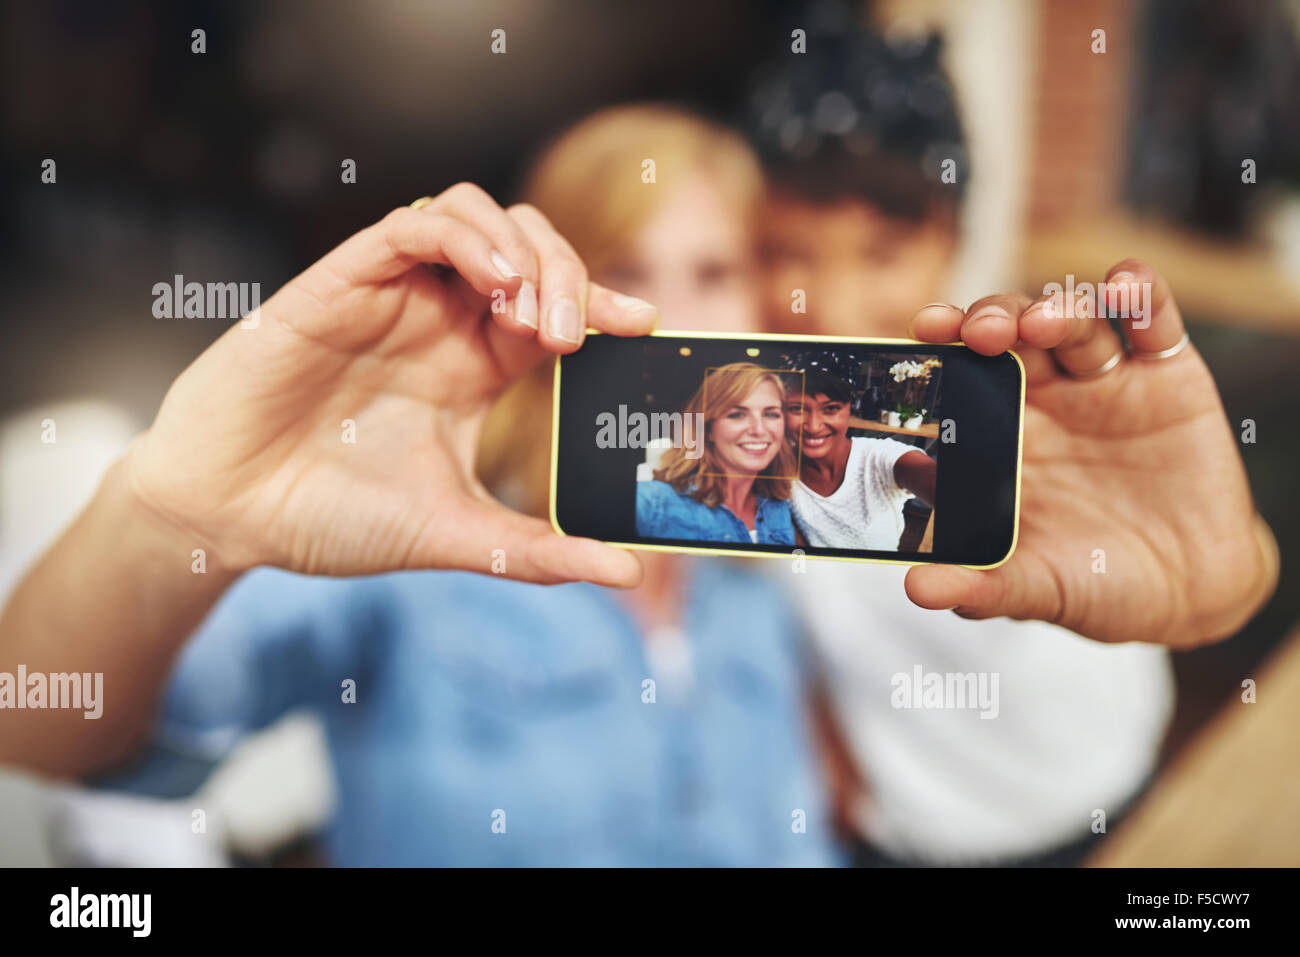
664	512
480	699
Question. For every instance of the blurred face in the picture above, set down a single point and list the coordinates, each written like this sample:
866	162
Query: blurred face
825	424
694	260
864	273
748	436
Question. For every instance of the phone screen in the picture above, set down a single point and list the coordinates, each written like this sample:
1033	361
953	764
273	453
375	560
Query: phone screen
858	449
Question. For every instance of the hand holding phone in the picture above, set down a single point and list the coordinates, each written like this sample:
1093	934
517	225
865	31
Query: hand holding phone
1136	516
335	435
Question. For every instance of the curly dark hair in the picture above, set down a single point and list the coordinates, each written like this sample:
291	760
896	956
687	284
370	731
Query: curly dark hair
825	372
859	116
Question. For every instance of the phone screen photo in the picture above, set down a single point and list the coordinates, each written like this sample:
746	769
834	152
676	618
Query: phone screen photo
851	449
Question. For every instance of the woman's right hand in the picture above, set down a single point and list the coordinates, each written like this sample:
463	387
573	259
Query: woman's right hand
250	458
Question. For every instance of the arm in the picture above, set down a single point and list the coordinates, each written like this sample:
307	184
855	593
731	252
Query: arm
330	433
917	472
115	595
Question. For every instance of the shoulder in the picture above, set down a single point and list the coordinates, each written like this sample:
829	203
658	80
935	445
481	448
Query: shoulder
268	601
654	491
657	494
265	598
469	599
870	445
493	642
880	453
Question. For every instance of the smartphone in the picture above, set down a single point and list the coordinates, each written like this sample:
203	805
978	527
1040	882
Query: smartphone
869	450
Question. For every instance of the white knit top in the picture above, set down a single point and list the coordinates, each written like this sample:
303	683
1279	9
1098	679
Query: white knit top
866	511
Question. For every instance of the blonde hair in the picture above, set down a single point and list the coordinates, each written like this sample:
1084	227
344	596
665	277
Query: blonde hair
704	478
588	182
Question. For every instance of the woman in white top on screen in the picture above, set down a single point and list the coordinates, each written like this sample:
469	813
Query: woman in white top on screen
850	491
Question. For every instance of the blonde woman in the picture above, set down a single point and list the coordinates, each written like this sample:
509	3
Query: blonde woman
738	490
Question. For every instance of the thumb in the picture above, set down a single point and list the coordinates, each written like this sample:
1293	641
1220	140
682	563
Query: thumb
584	559
969	592
500	541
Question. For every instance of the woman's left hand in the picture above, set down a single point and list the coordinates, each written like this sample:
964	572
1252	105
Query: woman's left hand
1136	518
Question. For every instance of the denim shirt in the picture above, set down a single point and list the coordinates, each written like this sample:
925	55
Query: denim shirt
481	701
664	512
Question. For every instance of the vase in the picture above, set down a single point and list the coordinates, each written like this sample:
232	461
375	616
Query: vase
884	416
895	419
914	422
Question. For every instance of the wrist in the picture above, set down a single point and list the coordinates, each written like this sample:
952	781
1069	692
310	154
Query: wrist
161	534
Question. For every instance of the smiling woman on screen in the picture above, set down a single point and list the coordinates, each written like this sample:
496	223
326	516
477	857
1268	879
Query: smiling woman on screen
738	489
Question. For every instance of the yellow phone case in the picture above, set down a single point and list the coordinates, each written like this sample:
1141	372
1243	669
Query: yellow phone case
705	550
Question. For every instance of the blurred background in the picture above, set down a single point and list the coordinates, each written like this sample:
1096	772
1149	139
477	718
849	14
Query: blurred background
226	165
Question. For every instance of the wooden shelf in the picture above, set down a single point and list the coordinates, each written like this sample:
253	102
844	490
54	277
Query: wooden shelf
928	431
1213	280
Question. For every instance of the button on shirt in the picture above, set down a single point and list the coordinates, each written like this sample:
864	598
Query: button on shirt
482	701
664	512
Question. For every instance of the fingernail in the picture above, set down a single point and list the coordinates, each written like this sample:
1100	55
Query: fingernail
504	269
526	306
1045	308
987	314
939	305
562	320
1119	290
632	304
